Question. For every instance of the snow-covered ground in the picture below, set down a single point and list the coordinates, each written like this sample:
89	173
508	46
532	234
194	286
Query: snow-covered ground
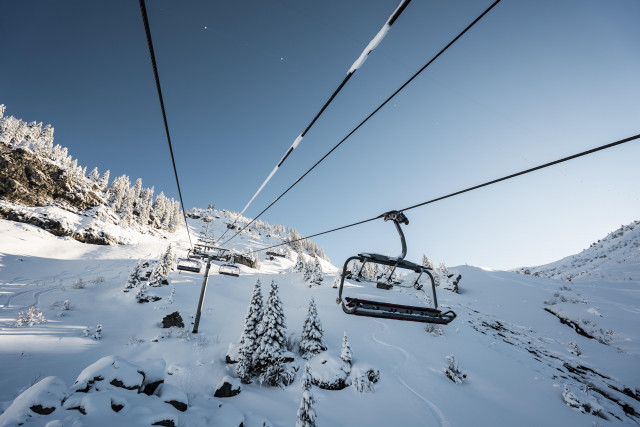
522	363
614	258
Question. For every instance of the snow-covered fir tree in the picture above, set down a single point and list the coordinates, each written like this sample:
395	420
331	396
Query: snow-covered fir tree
94	175
306	412
453	372
117	192
345	352
300	263
316	274
249	339
167	261
146	202
272	344
157	277
311	341
134	278
104	181
426	262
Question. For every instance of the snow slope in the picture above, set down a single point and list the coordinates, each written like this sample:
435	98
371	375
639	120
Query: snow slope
517	355
614	258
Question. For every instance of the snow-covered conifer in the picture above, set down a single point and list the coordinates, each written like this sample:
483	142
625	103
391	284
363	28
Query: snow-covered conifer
453	372
306	412
311	341
146	206
134	278
317	277
273	330
126	208
97	335
118	192
104	181
300	264
249	339
136	192
345	353
94	175
159	208
167	261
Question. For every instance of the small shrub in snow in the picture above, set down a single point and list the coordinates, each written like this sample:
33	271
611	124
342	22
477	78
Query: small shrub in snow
363	380
453	372
79	284
31	317
135	340
86	332
97	335
345	352
574	349
311	342
306	411
434	329
337	280
582	401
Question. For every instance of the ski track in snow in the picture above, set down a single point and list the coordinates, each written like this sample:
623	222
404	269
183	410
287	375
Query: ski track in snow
432	406
36	297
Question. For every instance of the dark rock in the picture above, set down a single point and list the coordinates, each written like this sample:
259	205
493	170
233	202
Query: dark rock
166	423
173	319
117	383
116	407
180	406
227	389
79	409
150	388
38	409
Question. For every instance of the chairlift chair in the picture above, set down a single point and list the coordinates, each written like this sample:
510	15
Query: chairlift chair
229	270
387	310
187	264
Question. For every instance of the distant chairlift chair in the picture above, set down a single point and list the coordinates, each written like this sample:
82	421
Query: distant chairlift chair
187	264
363	307
229	270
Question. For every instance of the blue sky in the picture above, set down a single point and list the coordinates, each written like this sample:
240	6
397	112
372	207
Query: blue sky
532	82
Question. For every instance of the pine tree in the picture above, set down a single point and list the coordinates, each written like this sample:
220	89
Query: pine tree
94	175
167	261
345	353
268	357
316	277
311	341
159	208
426	262
134	278
300	264
249	339
453	372
306	412
308	271
104	181
118	192
126	208
146	206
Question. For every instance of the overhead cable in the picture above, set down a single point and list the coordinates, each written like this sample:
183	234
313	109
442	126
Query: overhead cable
356	65
466	190
145	20
367	118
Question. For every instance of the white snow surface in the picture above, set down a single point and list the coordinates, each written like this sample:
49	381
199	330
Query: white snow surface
616	258
515	353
